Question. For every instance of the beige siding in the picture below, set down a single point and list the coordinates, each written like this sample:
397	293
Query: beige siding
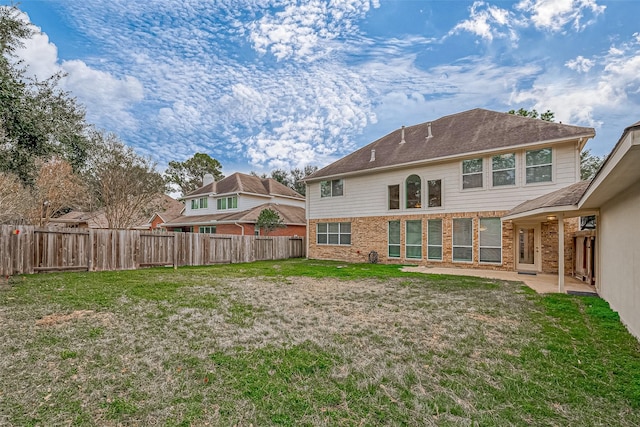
366	195
618	237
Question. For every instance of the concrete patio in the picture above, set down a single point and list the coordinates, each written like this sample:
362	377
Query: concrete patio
541	283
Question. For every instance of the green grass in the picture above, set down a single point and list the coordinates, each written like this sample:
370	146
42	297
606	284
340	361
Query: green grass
302	342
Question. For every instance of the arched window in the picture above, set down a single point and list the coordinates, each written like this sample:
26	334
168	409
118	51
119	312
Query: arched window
414	192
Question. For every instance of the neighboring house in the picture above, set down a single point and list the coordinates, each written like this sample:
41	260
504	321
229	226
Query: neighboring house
613	196
165	209
232	206
436	194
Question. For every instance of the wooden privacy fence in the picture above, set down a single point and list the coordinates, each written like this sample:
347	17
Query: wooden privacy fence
26	249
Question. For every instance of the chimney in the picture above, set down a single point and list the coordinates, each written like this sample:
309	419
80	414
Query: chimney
207	179
402	141
373	155
429	135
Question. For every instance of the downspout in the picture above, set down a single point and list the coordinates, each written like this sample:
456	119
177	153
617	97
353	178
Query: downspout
241	227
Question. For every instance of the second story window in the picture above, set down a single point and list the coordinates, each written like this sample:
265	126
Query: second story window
434	193
201	203
414	192
472	173
394	197
227	203
539	165
503	168
331	188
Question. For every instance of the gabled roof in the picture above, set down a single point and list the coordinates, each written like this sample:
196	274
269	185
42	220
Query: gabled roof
291	215
243	183
457	135
168	208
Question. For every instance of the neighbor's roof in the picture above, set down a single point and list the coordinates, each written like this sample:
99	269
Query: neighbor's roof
567	196
291	215
243	183
472	131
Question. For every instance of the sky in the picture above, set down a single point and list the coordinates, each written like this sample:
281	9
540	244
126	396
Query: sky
266	84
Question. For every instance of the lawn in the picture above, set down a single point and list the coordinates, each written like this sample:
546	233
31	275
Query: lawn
302	342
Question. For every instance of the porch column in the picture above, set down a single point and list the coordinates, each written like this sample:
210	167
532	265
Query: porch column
561	253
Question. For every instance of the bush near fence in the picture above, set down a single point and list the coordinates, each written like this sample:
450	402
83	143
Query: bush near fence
26	249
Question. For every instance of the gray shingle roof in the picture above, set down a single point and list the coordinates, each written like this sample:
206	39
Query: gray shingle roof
289	214
455	135
243	183
566	196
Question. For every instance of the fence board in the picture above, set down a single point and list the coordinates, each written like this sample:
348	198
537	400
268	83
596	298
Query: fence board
26	249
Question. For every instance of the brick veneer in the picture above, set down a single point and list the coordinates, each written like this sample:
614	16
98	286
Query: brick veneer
371	234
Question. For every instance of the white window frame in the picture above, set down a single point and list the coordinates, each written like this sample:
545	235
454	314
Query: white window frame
341	235
228	201
481	173
201	203
527	167
408	245
453	238
332	186
428	194
481	246
389	197
493	170
419	193
429	243
389	244
209	229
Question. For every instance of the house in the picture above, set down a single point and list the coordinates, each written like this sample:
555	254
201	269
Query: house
613	197
436	194
233	204
164	208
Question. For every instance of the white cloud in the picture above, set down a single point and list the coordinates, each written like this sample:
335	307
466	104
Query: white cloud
580	64
555	15
488	22
582	101
302	29
107	99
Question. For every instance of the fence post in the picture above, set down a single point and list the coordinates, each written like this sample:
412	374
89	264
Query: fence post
175	250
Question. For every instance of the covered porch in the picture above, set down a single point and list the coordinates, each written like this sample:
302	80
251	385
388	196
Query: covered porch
550	210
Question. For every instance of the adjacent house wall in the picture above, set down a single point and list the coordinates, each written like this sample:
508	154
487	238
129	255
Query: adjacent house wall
245	202
618	238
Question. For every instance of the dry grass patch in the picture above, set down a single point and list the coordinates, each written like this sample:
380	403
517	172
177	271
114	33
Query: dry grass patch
267	347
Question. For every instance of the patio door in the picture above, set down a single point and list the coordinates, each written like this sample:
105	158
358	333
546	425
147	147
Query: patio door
528	247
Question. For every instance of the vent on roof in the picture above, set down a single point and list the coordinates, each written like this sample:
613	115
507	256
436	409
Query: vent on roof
402	141
429	134
373	155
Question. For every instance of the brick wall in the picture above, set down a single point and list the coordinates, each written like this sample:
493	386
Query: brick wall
549	243
371	234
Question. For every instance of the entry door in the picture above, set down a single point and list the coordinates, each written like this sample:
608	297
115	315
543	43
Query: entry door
528	247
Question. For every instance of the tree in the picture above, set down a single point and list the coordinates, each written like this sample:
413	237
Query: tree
292	179
39	121
298	175
188	175
269	220
14	199
547	116
56	188
590	164
123	183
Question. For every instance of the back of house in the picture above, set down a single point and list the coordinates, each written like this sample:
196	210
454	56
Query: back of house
434	193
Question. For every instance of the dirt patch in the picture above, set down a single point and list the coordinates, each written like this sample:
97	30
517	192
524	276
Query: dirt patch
61	319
